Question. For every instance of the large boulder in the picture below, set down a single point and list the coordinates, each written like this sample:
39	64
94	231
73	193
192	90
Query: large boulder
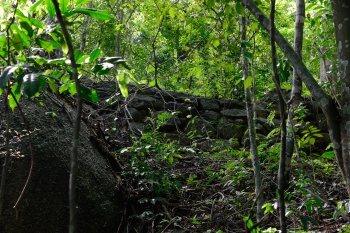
44	205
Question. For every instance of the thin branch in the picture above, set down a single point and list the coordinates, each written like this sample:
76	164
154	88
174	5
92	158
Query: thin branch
75	140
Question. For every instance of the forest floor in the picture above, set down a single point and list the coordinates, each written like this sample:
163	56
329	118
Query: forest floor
195	191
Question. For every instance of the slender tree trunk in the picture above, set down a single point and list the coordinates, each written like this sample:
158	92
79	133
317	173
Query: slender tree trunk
252	132
282	162
118	37
297	83
83	35
75	139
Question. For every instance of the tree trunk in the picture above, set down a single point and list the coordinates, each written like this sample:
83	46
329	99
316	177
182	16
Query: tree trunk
281	179
118	37
252	133
341	15
297	83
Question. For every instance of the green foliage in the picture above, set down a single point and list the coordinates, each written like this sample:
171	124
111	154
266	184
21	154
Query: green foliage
149	151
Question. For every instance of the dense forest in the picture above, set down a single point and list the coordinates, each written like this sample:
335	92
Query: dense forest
175	116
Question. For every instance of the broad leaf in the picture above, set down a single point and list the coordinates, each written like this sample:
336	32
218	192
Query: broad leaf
79	2
216	42
26	26
248	82
97	14
6	75
33	83
328	154
123	82
35	5
48	45
88	94
50	7
59	38
64	6
94	55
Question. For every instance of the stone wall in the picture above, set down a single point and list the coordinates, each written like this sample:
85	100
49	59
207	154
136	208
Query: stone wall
204	121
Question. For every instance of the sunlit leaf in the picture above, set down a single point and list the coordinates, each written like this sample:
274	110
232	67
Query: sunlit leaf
50	7
14	99
35	5
97	14
123	82
80	2
59	38
6	75
95	55
328	154
216	42
248	82
172	12
26	26
64	6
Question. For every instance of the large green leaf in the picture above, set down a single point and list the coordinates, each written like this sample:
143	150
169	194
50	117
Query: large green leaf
6	75
35	5
94	55
64	6
97	14
88	94
50	7
123	81
59	38
79	2
48	45
26	26
33	83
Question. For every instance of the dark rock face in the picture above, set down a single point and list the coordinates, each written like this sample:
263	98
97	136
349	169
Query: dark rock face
44	207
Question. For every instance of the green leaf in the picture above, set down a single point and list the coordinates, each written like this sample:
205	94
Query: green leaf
47	45
97	14
88	94
50	7
52	84
17	94
80	2
248	55
33	83
216	42
304	222
78	54
64	6
210	4
26	26
6	75
19	37
123	82
59	38
172	12
94	55
248	82
328	154
239	8
83	59
35	5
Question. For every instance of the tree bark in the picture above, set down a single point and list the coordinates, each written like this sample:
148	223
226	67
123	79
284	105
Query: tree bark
297	83
341	16
252	132
281	179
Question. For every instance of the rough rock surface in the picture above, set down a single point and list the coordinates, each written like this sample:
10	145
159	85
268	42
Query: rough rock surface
44	206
